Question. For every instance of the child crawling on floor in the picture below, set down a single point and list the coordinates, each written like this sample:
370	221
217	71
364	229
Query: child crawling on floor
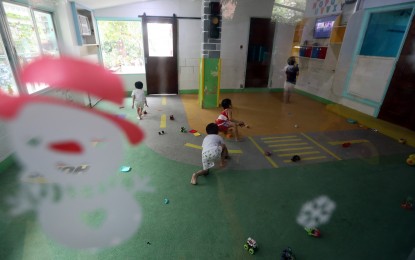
213	149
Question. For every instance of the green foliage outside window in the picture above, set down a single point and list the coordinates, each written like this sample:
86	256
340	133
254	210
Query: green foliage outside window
122	46
288	11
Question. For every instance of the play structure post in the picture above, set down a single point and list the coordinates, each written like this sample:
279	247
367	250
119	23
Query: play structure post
209	82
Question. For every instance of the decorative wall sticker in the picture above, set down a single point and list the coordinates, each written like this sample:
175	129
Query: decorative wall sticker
77	202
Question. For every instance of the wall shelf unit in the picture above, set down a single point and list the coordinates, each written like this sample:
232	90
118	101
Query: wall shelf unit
306	46
84	25
337	34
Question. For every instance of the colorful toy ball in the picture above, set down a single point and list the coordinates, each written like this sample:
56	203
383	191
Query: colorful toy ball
314	232
295	158
411	160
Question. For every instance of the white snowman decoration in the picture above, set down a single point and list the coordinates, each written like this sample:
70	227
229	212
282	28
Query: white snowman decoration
73	148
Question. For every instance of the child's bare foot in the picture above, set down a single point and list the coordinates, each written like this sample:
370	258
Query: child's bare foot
194	179
222	163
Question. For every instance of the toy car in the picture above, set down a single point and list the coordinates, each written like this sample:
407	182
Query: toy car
287	254
313	232
408	203
251	246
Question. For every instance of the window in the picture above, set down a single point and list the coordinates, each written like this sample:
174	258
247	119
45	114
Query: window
33	35
7	82
122	46
288	11
385	33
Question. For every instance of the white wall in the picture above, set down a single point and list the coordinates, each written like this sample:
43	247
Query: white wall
235	32
189	44
377	3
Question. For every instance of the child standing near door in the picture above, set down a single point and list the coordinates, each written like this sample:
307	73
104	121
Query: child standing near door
139	99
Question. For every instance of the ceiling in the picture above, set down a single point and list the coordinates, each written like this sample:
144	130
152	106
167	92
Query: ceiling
97	4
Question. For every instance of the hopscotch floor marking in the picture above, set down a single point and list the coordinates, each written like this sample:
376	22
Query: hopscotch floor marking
263	152
308	159
322	147
281	140
351	141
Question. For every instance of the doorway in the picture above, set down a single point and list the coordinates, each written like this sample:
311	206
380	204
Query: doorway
261	37
160	54
398	105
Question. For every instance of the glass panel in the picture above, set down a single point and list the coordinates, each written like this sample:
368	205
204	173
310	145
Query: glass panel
23	32
7	82
160	39
385	32
288	11
122	46
46	31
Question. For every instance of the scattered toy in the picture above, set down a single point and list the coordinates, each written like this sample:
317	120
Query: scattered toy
295	158
347	144
313	232
242	124
402	141
183	130
148	243
408	203
166	201
351	121
251	246
411	160
229	136
161	133
287	254
192	131
196	134
171	117
125	169
268	153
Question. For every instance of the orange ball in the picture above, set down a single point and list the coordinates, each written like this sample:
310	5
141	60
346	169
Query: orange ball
410	161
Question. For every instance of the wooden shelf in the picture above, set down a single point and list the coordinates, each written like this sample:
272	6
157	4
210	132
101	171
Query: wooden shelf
337	34
336	39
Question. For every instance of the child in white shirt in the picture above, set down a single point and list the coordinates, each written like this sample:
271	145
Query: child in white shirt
214	149
139	99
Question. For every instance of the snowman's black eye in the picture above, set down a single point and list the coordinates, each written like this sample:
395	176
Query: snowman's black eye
34	141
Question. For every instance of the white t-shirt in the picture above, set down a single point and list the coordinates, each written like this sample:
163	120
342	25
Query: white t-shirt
139	95
212	141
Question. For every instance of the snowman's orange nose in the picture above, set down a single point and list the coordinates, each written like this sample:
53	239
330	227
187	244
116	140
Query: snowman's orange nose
66	147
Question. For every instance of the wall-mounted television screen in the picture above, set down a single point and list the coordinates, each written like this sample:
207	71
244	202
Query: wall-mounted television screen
324	26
